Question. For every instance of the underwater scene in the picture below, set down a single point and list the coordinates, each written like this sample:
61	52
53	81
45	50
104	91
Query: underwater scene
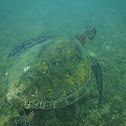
62	63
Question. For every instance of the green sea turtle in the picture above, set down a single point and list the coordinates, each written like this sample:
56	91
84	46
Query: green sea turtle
53	73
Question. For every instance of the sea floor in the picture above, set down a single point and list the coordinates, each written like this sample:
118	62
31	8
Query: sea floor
109	47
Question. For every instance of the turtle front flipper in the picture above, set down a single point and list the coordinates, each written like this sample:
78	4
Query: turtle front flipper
98	75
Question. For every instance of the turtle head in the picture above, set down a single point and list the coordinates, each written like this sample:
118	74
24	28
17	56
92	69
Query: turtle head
86	36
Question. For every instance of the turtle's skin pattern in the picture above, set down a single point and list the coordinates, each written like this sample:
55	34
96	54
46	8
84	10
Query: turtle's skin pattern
52	74
28	44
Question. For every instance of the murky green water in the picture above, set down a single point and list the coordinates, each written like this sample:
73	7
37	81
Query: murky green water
24	20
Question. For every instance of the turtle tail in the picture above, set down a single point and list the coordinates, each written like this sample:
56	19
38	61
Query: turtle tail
98	75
